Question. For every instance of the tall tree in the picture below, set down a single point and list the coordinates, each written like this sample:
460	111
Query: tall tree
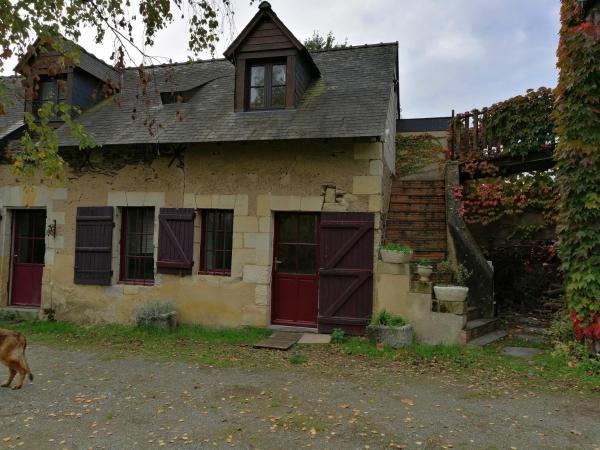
320	42
55	25
578	161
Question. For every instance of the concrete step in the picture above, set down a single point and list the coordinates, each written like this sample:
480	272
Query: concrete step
419	215
478	327
423	199
415	206
486	339
16	313
473	313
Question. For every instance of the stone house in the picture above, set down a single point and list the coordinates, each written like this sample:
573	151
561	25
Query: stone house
251	191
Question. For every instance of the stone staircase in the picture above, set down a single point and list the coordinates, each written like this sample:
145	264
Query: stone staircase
417	217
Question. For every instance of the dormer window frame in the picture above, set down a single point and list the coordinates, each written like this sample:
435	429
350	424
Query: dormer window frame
267	83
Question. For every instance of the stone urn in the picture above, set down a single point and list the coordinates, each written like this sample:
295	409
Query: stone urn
394	337
394	257
451	293
452	299
424	272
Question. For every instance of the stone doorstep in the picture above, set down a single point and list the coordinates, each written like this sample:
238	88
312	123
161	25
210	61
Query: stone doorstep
25	313
312	338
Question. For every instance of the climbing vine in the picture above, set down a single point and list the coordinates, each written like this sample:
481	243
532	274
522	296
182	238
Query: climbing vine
578	161
417	151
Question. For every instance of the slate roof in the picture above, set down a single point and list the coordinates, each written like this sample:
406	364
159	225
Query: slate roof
12	120
350	100
423	125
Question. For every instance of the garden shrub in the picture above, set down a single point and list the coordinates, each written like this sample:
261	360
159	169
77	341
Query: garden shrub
152	313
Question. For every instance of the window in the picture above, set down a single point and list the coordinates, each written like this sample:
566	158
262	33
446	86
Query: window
217	237
51	90
137	246
297	243
268	86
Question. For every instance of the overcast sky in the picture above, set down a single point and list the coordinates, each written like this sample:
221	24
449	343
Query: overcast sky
454	54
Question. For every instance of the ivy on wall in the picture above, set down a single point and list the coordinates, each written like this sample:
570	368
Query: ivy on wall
416	152
577	116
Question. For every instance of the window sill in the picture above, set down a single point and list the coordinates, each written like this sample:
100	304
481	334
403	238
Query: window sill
149	283
216	274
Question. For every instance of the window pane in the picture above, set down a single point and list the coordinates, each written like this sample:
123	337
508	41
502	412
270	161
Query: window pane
306	259
278	96
308	229
257	76
278	75
218	237
257	97
47	91
139	243
287	256
288	228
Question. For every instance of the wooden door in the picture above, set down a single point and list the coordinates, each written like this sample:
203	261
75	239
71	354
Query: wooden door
295	299
346	272
28	246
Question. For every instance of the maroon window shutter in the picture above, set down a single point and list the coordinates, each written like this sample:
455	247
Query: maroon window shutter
93	245
346	272
176	240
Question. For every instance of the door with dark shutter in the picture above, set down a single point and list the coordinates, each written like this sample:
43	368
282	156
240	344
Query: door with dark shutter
346	272
176	241
93	245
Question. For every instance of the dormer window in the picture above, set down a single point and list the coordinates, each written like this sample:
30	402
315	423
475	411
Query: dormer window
268	86
51	90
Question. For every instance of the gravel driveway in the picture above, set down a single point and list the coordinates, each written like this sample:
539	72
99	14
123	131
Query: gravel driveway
86	400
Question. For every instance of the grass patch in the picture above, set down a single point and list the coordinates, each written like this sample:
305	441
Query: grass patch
297	358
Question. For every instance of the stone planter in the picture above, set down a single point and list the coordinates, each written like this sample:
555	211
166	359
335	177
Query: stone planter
424	272
166	321
395	337
452	299
390	256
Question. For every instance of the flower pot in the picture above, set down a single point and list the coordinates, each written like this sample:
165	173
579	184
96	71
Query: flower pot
451	299
451	293
394	337
424	272
390	256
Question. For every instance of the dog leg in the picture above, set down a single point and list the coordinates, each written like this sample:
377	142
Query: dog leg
22	373
11	377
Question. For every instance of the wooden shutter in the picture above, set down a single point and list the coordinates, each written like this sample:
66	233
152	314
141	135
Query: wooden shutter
93	245
346	272
176	240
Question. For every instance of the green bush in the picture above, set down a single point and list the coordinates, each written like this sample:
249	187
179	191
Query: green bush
297	358
387	319
152	313
400	248
338	336
460	274
425	262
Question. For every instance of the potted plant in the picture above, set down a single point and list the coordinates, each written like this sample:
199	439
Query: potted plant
458	290
388	329
424	269
395	253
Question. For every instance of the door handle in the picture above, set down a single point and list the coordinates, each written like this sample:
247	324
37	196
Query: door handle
278	262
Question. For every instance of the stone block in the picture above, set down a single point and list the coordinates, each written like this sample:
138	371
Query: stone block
255	315
285	203
189	200
245	224
375	203
376	167
59	194
366	185
264	256
241	205
392	269
335	207
262	295
265	224
368	150
313	204
257	240
156	199
444	306
263	205
257	274
117	198
238	240
422	287
58	216
330	194
221	201
204	201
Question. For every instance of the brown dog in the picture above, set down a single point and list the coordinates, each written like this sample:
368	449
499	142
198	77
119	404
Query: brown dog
12	355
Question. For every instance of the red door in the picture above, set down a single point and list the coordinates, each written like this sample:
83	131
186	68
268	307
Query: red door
296	270
28	247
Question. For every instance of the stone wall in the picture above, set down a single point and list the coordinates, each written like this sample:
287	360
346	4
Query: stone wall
253	179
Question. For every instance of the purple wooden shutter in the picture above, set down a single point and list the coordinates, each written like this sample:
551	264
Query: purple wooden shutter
346	272
93	245
176	240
